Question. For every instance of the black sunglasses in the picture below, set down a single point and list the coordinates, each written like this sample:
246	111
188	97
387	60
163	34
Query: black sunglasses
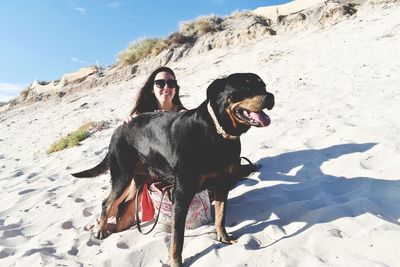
161	83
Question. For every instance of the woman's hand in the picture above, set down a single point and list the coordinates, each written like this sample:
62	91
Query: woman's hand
131	117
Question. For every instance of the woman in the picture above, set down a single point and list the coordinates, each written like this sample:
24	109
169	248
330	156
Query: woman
159	93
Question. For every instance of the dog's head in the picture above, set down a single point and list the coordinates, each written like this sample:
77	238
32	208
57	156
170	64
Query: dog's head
238	102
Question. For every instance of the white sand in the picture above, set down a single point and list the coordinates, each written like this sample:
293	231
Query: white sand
328	192
273	12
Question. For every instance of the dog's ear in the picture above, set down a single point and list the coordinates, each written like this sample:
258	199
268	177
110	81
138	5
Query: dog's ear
215	88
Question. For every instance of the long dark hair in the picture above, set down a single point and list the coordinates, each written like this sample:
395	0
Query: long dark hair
146	101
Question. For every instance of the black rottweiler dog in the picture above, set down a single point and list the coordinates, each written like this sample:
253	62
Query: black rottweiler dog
192	150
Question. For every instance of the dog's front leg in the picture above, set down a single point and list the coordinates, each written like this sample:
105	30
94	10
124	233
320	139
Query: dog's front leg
221	195
179	212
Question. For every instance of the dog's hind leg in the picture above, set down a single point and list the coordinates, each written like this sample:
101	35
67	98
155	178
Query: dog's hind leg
120	179
102	229
110	208
114	212
127	208
126	215
123	208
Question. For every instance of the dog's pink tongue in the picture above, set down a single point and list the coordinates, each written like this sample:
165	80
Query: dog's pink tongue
261	117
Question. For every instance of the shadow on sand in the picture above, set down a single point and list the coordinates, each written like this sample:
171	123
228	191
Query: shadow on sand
312	197
308	195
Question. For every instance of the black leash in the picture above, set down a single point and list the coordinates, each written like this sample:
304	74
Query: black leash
138	221
253	166
248	161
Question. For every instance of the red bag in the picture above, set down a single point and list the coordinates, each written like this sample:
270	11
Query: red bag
147	205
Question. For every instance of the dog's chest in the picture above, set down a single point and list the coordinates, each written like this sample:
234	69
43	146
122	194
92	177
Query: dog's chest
225	176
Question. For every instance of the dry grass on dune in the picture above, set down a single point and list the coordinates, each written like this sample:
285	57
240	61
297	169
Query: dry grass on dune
189	32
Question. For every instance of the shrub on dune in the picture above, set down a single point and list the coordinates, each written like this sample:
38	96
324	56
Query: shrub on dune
140	49
201	26
72	139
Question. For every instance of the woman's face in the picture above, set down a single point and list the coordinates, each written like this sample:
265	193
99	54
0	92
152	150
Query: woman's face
164	87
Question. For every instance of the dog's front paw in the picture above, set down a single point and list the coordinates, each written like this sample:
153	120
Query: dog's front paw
176	263
226	239
100	233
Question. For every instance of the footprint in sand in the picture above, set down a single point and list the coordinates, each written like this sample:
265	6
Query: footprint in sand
93	241
54	189
12	233
44	250
6	252
30	176
67	225
79	200
249	242
18	173
51	179
366	161
88	211
122	245
336	233
23	192
73	251
9	226
51	200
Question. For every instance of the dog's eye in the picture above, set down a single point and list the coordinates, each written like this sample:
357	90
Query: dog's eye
235	97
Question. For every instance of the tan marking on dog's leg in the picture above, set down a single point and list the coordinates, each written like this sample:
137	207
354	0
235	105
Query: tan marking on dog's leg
129	217
174	253
114	207
131	190
125	196
220	209
179	212
102	231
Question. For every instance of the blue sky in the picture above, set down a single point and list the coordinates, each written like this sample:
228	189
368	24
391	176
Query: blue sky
43	39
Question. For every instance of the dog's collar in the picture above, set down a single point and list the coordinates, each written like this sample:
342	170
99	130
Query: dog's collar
218	126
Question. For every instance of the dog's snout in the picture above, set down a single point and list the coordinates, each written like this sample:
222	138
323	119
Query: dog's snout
269	101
